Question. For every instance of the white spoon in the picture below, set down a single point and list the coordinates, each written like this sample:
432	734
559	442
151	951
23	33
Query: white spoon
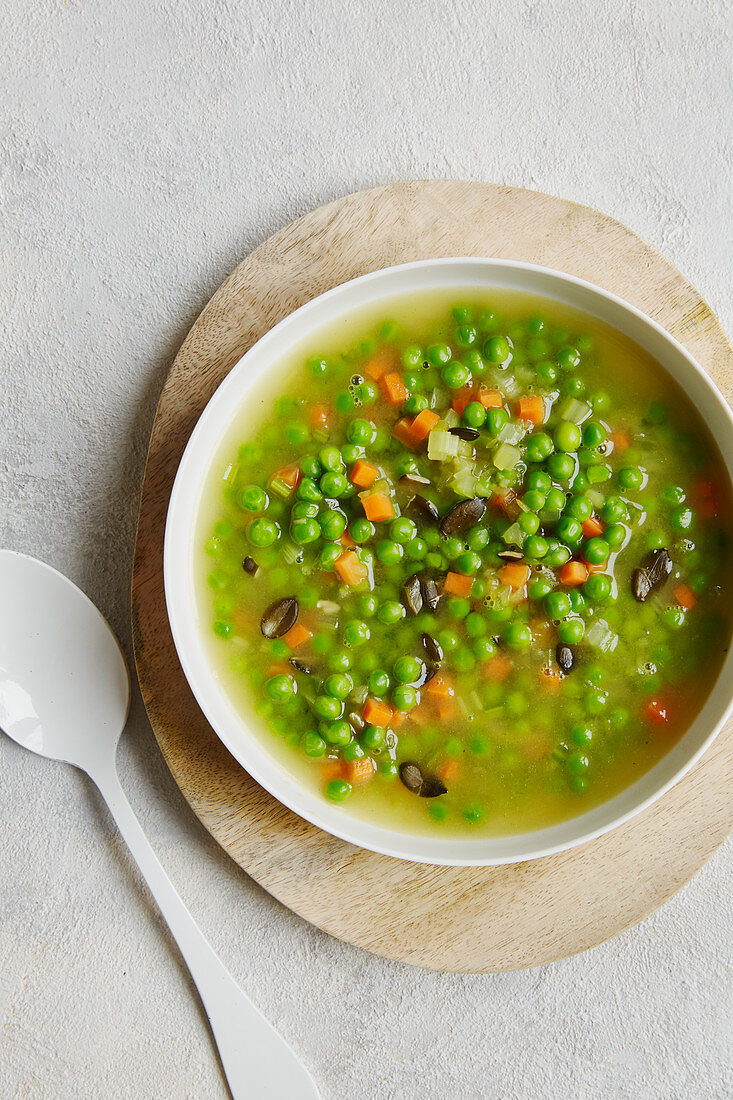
65	694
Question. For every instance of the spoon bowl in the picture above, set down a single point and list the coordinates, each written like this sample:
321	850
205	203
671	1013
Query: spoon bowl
65	694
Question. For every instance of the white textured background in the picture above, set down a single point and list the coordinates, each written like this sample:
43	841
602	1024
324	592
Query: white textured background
146	147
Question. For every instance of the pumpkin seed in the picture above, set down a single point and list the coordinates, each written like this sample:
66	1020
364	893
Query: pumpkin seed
279	617
421	782
462	517
413	596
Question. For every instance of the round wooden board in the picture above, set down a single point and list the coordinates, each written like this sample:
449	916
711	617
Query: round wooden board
474	919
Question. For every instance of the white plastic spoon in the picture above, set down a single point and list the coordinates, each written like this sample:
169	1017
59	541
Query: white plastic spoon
65	694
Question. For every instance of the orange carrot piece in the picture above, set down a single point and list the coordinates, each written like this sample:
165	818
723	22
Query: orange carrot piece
393	388
457	584
506	499
359	771
685	597
594	567
447	770
297	635
621	441
463	398
332	769
573	573
592	527
531	407
657	713
350	569
515	574
491	399
498	667
378	507
439	686
319	416
346	541
398	717
403	431
280	668
551	680
380	363
363	474
703	490
289	475
377	713
423	424
447	708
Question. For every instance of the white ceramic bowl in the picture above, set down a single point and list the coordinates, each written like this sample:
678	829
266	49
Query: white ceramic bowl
249	748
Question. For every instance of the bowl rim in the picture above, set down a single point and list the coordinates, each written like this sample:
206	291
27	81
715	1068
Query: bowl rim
218	708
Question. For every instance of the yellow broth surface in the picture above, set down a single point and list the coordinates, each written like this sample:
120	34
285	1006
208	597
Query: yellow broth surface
490	668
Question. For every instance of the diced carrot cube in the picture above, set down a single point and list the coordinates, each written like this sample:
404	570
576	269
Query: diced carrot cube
573	573
463	398
621	441
398	717
531	407
363	473
403	431
419	715
319	416
289	475
506	499
491	399
439	686
393	388
377	713
551	680
332	769
359	771
703	490
447	708
280	668
657	712
457	584
378	507
447	770
297	635
594	567
515	574
592	527
423	424
498	667
685	597
350	569
380	363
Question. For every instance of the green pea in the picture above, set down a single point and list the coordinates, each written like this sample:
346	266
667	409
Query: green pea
338	790
579	507
593	434
280	688
571	631
304	509
313	744
630	477
338	685
483	648
438	354
581	735
416	549
596	551
465	336
573	387
656	414
404	697
308	491
529	522
568	358
340	661
356	632
546	371
334	484
682	519
407	670
328	707
336	733
368	392
360	432
614	510
390	612
497	349
567	436
318	366
361	530
263	532
389	552
416	403
403	529
455	375
518	636
304	531
474	414
475	625
538	588
378	683
616	535
496	419
539	446
576	599
222	628
618	717
557	554
253	499
561	466
447	639
329	555
367	605
333	525
478	538
672	495
373	738
598	586
557	605
595	702
463	659
569	530
468	563
539	481
673	618
578	763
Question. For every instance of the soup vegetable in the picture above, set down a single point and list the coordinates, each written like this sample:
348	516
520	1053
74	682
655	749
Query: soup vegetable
469	566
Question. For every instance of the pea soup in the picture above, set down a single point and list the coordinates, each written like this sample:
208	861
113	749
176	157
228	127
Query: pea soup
465	564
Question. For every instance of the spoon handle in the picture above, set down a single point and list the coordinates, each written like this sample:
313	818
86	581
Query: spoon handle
257	1062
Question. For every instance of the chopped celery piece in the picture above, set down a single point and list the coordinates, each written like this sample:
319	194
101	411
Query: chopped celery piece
507	456
601	636
442	445
463	481
511	433
452	418
574	409
514	535
230	474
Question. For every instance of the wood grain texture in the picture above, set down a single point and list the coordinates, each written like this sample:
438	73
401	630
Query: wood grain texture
474	919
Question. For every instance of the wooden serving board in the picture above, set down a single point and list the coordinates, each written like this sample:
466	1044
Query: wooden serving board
473	919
